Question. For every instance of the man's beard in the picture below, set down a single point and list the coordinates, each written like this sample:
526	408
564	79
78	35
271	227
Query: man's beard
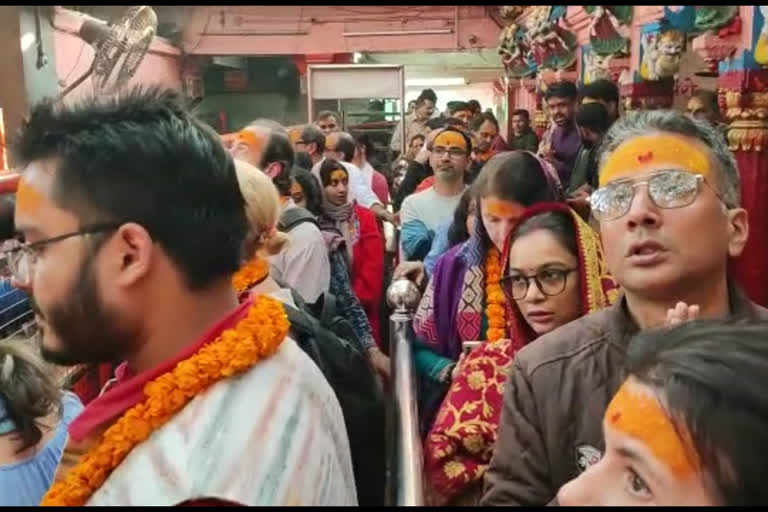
87	330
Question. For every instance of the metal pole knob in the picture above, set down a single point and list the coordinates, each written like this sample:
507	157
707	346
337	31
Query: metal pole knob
403	296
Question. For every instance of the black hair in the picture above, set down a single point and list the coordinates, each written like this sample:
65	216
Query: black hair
514	176
278	149
522	113
559	224
142	157
303	160
311	134
437	122
474	105
328	166
480	119
426	94
593	116
564	89
326	114
511	176
458	233
601	89
456	106
455	122
711	376
346	146
467	140
362	139
27	391
310	186
7	206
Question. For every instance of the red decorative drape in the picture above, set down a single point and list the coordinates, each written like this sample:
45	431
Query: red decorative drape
751	269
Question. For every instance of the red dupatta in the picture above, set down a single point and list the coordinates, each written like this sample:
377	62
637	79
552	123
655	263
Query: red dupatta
459	445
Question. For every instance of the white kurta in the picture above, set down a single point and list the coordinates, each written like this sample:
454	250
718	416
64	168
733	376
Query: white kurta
274	435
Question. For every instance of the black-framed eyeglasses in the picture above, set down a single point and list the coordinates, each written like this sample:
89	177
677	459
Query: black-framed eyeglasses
667	189
21	258
550	282
452	152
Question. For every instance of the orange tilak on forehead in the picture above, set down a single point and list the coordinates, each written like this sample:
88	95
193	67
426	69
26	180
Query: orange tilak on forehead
296	188
339	175
638	155
500	208
331	141
639	415
450	138
254	141
28	198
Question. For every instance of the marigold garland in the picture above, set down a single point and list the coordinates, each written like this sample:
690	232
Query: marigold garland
250	274
495	309
255	337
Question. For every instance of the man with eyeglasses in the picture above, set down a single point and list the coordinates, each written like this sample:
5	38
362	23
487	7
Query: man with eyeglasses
670	221
424	211
133	224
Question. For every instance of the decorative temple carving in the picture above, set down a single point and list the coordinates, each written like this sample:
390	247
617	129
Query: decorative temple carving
713	48
552	46
661	54
608	31
515	50
710	17
745	98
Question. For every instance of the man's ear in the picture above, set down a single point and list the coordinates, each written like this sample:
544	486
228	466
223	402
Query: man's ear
130	254
738	231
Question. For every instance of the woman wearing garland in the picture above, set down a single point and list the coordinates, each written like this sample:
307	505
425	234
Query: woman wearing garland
554	274
464	301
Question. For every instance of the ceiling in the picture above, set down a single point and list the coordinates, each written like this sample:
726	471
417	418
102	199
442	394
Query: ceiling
482	65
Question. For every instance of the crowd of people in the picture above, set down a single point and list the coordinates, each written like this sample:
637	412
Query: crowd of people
579	340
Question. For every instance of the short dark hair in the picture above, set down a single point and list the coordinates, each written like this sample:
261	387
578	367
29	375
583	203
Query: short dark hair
564	89
601	89
426	94
303	160
326	114
362	139
437	122
712	376
593	116
279	149
474	105
481	118
456	106
311	134
142	157
558	223
328	166
346	146
522	113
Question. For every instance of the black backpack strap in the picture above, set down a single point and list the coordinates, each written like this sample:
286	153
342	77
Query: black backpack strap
293	217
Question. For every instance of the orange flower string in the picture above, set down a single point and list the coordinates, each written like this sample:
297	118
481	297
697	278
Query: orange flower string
250	274
256	337
494	297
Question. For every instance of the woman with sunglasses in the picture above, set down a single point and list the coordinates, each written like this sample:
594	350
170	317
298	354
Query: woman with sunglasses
552	276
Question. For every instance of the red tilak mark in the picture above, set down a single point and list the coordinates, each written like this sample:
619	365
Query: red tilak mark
615	417
645	158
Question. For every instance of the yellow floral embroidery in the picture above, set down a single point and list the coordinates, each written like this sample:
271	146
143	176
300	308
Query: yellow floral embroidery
454	469
476	380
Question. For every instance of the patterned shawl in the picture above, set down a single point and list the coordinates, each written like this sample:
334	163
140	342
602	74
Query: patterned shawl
452	308
459	446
